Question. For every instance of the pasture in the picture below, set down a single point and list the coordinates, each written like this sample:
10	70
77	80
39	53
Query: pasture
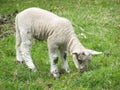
97	25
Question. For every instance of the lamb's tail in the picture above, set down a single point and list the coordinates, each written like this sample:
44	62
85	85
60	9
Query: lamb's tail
18	37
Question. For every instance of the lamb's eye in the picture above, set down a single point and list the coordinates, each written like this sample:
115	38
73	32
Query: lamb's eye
83	53
80	61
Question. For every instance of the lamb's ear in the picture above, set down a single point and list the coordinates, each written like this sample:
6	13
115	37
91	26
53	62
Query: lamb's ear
76	51
92	52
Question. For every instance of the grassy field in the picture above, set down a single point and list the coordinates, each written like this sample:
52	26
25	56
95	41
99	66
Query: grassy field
98	20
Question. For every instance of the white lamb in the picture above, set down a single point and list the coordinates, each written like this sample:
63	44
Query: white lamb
57	31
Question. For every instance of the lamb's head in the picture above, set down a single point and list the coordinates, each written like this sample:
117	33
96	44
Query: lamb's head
82	58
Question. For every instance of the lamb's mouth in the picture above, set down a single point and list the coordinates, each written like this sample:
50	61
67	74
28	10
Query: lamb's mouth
82	68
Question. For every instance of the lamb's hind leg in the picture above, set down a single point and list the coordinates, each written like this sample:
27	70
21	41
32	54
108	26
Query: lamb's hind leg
19	58
25	49
65	65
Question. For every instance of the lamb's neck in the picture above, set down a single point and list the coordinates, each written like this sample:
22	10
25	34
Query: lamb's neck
74	44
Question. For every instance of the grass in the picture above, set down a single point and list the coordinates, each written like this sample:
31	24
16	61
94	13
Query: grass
99	20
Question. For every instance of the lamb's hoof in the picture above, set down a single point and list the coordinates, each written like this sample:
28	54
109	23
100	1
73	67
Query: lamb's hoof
68	70
33	69
65	70
19	62
55	74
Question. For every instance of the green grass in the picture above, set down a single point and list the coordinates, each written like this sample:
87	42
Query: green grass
99	20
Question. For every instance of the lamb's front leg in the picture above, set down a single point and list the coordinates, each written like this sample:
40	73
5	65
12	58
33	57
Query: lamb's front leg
53	58
53	62
65	65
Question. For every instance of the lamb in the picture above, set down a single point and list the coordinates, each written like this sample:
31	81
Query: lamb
59	34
